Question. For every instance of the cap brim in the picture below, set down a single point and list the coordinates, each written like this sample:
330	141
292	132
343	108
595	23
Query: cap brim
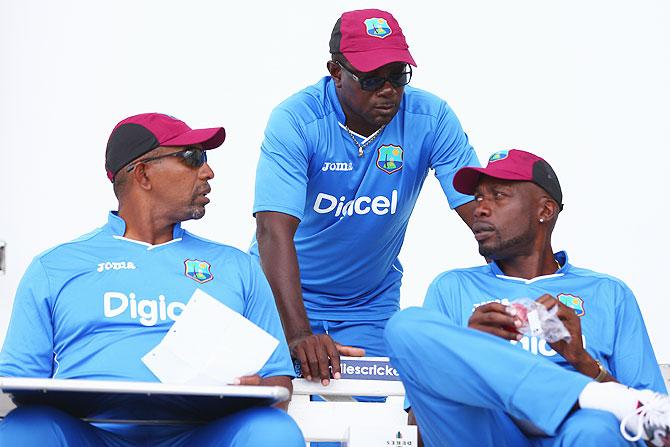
209	138
371	60
466	179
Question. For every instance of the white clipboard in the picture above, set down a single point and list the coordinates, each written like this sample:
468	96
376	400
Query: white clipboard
151	403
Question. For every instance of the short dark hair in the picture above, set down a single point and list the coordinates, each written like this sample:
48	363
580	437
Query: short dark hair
120	182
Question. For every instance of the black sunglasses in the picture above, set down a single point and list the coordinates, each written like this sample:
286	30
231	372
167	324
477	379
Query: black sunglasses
374	83
192	156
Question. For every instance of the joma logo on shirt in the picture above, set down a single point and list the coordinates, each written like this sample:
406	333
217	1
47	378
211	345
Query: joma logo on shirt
337	166
380	205
148	312
123	265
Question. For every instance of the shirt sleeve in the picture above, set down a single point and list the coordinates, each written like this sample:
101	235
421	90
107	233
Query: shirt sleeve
451	151
281	175
262	311
28	349
633	362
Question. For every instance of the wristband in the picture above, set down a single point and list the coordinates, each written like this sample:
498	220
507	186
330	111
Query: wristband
602	374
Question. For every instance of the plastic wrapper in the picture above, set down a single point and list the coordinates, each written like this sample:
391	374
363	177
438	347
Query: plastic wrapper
537	321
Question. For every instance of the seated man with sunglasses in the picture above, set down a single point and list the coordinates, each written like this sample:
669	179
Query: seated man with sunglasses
93	307
340	170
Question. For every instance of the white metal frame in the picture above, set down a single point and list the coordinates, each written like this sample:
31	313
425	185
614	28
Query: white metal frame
330	420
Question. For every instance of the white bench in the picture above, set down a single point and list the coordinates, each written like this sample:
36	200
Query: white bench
331	420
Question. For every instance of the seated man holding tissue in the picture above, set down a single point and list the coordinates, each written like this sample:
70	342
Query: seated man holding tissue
469	386
93	308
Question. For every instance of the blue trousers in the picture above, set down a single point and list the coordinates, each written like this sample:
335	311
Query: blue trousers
467	388
46	427
368	335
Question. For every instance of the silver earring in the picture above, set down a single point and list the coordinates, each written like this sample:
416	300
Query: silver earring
541	220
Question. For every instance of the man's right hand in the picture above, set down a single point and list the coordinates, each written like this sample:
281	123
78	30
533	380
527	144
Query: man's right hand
494	319
316	352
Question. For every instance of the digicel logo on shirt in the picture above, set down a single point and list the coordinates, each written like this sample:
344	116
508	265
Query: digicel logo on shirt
380	205
147	311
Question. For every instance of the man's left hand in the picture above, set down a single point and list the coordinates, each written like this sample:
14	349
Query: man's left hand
573	351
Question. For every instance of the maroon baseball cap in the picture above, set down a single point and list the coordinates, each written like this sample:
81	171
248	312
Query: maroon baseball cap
139	134
369	38
515	165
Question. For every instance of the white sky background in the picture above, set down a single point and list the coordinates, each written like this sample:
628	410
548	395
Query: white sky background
582	83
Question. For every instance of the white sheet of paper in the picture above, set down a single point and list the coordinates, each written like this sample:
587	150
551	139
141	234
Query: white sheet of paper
209	344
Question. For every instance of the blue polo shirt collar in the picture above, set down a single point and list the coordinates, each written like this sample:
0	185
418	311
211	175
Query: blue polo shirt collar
561	257
117	226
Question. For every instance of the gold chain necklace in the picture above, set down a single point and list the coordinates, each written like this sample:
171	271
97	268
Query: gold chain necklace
364	145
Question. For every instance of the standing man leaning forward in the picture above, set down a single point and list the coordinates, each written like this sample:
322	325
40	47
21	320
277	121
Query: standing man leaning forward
469	386
66	322
341	167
